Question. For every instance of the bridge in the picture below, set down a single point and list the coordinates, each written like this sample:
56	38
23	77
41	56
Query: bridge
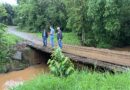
109	59
105	58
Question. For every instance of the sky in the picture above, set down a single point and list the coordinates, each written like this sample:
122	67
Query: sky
12	2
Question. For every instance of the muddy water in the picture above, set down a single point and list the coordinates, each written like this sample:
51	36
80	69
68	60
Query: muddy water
25	74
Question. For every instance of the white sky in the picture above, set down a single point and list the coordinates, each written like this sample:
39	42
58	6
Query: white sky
12	2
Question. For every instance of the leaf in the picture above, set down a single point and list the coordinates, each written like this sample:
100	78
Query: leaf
64	61
69	70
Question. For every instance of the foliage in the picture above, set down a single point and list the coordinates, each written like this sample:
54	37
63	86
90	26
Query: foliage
60	65
79	81
10	11
8	14
3	12
3	48
2	32
98	23
41	13
6	41
6	51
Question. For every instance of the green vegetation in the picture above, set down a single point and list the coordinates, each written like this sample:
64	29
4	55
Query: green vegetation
60	65
3	47
71	38
68	38
6	51
5	39
8	40
79	81
98	23
12	39
8	18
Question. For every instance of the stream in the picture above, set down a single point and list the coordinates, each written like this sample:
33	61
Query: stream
22	75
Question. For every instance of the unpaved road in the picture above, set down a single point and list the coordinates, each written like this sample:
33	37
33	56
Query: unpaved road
105	55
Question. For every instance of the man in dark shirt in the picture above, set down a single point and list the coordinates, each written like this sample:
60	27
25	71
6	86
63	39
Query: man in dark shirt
59	37
44	36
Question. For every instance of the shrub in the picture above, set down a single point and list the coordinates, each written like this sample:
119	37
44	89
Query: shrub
59	64
104	45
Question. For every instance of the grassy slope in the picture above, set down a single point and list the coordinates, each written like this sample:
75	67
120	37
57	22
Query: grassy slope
79	81
68	38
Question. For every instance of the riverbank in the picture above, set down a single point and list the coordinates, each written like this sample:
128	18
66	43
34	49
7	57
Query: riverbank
83	80
7	50
22	75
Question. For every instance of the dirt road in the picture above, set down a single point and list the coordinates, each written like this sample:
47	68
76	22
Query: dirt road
105	55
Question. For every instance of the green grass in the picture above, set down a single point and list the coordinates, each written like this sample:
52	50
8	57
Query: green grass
68	38
79	81
12	39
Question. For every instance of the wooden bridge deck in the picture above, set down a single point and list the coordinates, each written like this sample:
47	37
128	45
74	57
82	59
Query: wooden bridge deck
113	60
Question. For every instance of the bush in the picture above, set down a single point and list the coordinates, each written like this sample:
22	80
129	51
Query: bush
60	65
104	45
6	42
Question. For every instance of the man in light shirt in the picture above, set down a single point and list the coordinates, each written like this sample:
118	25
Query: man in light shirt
52	31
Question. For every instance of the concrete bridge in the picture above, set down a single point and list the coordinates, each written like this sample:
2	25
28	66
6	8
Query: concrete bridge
105	58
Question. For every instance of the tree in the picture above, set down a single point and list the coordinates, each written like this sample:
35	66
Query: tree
8	18
2	31
10	11
3	13
41	13
98	23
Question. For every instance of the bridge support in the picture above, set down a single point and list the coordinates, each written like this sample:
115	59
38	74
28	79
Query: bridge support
34	56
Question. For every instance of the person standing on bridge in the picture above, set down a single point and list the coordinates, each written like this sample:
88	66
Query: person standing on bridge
59	37
44	36
52	31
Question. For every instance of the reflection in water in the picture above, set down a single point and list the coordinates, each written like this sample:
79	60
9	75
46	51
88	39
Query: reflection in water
24	75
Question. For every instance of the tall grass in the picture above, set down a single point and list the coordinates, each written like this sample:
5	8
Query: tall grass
79	81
